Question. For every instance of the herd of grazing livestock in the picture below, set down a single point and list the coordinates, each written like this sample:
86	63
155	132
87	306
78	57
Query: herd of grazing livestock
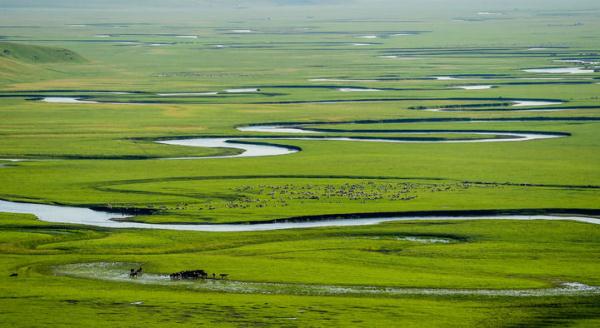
184	275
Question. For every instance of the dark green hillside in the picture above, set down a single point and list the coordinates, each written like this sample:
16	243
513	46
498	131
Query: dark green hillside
37	54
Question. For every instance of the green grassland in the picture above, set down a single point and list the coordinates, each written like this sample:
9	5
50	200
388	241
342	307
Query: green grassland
520	255
104	155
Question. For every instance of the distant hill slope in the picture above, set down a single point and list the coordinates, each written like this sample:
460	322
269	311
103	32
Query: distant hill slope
27	63
37	54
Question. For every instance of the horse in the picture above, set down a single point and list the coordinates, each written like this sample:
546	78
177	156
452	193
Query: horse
133	274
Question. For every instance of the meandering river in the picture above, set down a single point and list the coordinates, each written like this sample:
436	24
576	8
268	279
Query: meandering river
86	216
258	150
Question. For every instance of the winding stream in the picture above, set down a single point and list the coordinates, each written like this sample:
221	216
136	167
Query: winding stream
86	216
249	149
515	103
258	150
560	70
530	103
67	100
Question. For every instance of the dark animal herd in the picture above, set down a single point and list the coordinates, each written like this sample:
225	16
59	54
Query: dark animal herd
183	275
195	275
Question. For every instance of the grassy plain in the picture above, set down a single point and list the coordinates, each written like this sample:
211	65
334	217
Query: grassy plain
104	154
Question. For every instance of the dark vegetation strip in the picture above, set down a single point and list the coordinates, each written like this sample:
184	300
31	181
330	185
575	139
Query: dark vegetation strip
382	34
436	120
492	49
457	213
529	54
350	47
463	106
498	132
403	99
545	83
496	105
288	43
509	109
390	77
320	86
467	52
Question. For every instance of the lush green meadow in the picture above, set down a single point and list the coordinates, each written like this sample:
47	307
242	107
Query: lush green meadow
380	69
